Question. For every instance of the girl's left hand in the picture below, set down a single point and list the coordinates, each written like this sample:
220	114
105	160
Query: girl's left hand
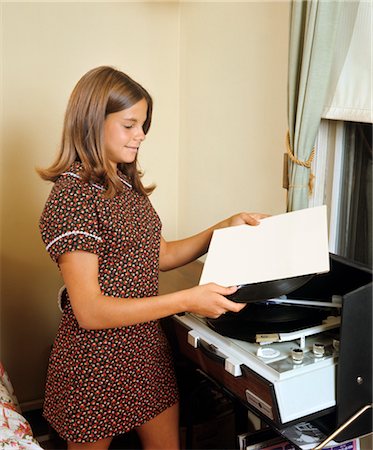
246	218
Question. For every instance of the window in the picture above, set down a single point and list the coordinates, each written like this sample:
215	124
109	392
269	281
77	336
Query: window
343	169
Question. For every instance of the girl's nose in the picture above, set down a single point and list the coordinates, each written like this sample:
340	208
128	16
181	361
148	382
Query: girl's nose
140	135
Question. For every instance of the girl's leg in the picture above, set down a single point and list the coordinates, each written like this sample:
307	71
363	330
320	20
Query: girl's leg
102	444
162	432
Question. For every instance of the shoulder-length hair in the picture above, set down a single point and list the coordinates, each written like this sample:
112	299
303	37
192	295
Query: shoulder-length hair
100	92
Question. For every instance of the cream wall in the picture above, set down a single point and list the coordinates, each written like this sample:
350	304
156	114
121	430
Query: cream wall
46	49
217	73
233	62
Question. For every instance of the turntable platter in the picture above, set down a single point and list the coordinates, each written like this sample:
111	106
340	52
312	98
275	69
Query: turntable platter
267	318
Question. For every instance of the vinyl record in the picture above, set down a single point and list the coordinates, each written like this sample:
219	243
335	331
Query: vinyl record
268	289
267	318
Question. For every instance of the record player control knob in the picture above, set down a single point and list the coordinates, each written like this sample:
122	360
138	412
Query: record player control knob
318	350
297	355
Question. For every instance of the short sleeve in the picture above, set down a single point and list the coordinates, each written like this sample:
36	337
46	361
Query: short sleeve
69	220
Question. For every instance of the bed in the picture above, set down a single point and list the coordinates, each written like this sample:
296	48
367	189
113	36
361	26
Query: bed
15	431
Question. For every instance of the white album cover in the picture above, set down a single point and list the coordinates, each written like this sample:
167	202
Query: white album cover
282	246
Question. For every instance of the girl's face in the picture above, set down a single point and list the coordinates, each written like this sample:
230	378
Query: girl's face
123	133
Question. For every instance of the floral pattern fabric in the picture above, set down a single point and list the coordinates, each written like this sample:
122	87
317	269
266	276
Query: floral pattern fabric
15	431
105	382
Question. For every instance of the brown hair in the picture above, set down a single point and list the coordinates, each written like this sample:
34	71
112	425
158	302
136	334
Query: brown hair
101	91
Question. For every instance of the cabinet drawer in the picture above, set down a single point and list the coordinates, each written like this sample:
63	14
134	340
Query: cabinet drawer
249	387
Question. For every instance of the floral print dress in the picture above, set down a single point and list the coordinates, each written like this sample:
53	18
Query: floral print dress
102	383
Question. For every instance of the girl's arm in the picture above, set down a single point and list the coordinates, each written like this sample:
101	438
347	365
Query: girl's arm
93	310
177	253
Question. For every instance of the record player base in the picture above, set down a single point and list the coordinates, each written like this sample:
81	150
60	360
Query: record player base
263	396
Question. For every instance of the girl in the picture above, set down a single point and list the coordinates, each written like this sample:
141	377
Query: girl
110	369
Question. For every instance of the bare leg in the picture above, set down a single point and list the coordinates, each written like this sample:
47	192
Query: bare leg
162	432
102	444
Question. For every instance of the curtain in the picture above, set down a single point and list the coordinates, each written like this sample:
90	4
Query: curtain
349	95
313	26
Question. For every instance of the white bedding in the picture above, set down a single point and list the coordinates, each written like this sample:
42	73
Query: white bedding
15	431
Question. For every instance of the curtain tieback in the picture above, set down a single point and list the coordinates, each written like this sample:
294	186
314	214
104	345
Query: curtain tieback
297	161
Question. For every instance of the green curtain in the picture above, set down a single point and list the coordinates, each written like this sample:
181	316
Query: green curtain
313	26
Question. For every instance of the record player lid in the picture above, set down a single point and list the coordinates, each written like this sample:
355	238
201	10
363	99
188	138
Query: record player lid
273	258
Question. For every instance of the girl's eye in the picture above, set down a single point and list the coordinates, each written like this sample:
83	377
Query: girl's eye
128	127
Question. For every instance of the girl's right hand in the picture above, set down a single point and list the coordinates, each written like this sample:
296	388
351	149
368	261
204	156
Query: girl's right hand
209	300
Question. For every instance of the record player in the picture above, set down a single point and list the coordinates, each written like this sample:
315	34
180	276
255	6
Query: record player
294	362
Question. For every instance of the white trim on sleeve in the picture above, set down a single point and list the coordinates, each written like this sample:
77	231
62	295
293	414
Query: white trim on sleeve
69	233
